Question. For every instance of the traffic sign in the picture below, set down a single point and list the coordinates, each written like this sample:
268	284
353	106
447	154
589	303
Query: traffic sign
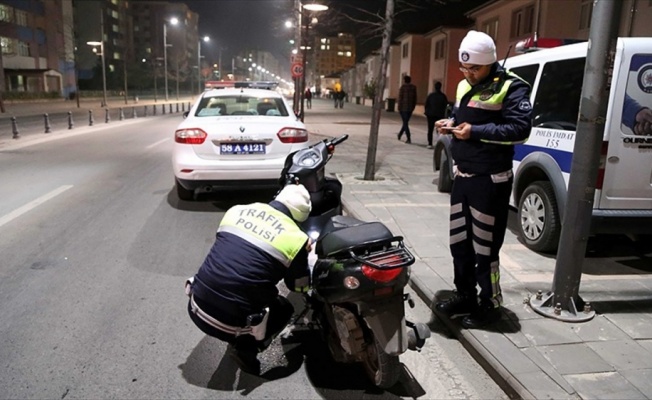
297	70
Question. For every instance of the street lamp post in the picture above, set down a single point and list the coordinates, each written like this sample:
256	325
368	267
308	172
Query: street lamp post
101	44
173	21
205	39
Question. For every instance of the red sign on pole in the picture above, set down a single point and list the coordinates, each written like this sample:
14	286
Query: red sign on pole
297	70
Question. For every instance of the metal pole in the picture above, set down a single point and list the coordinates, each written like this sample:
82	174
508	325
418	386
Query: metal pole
165	58
297	40
124	64
199	66
563	302
177	77
103	59
155	80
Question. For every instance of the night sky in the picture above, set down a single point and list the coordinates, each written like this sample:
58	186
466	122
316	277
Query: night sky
259	24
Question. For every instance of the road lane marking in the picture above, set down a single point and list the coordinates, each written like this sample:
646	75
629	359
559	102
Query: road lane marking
157	143
33	204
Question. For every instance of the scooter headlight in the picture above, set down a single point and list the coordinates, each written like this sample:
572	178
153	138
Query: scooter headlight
351	282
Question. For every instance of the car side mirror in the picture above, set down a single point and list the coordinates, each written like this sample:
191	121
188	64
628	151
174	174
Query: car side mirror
185	114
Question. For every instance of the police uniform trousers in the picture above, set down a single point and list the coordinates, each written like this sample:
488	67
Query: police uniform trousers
280	312
478	220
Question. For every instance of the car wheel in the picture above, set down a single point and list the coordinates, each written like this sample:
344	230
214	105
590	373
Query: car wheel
444	183
183	193
540	225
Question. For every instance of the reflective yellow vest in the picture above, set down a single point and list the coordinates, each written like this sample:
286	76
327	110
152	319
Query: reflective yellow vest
266	228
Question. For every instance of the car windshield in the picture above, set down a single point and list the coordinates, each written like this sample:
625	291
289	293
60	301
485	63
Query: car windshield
240	104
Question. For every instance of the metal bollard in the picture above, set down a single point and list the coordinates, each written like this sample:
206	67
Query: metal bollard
183	107
14	128
70	123
46	119
145	112
177	107
133	113
122	114
170	108
90	117
154	109
163	108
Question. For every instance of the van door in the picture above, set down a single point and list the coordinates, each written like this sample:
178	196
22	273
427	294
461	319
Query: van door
627	181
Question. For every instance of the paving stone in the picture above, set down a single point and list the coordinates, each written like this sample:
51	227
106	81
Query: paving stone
636	325
609	385
598	329
641	379
546	331
543	387
504	351
535	355
623	354
574	359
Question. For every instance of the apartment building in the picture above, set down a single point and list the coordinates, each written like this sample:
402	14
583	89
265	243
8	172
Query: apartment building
333	54
37	53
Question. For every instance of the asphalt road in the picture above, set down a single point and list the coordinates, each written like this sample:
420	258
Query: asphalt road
95	247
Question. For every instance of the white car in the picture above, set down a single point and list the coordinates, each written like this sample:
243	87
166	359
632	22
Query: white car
235	137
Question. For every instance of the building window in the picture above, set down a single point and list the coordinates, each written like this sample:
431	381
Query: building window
440	48
585	14
21	18
491	28
6	13
7	45
522	21
406	49
22	48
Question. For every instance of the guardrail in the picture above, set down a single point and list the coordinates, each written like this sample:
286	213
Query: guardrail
66	119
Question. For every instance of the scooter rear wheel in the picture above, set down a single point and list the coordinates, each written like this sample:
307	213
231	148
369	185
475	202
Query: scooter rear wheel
382	368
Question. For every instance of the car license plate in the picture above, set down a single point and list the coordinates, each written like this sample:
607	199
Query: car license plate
242	148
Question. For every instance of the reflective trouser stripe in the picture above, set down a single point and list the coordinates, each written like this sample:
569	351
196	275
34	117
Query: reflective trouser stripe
478	221
233	330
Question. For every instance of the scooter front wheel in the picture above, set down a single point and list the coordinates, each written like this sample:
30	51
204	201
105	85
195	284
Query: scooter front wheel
383	369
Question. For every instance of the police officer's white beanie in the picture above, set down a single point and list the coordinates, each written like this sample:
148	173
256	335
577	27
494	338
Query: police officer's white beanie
477	48
297	199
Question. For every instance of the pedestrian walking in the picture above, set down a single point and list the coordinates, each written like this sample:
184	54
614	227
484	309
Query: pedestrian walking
234	296
407	101
435	109
308	96
492	113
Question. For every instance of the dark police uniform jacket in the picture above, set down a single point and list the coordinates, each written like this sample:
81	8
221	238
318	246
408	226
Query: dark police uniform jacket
256	246
499	110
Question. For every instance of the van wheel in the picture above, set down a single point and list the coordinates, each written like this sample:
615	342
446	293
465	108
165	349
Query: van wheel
540	225
183	193
444	183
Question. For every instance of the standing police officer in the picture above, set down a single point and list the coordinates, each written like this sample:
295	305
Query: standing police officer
491	114
234	296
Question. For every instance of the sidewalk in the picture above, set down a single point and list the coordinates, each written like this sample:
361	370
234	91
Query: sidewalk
530	356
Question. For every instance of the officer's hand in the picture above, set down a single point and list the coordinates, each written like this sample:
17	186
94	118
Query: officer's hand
309	245
643	122
462	131
443	123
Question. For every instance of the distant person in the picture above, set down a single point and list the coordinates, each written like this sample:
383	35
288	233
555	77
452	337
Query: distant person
308	96
407	101
435	109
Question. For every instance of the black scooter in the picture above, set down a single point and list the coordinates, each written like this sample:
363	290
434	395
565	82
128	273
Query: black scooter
358	278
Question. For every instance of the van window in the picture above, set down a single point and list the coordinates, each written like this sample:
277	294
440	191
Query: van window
557	101
527	72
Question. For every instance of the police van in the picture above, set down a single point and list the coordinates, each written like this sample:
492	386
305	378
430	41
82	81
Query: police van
542	166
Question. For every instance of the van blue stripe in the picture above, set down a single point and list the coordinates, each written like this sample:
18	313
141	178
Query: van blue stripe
563	158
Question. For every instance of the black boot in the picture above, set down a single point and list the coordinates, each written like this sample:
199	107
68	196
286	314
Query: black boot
246	360
458	304
484	315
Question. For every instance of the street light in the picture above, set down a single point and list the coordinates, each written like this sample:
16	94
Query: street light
173	21
206	39
101	44
300	82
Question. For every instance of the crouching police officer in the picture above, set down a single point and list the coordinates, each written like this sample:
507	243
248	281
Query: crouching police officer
234	297
491	114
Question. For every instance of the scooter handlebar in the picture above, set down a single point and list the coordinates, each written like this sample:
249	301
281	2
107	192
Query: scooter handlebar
338	140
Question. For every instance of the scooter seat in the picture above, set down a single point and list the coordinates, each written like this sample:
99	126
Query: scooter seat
343	233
